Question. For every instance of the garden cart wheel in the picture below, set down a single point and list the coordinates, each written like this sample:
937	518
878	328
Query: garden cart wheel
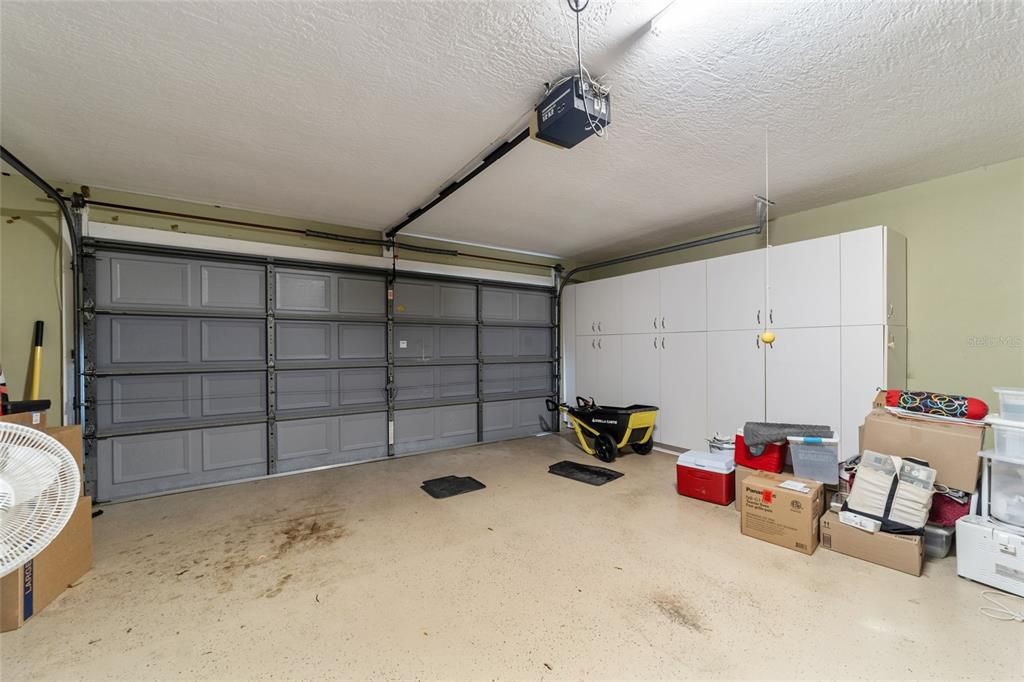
644	448
605	448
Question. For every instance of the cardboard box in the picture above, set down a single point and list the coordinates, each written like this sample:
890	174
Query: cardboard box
34	419
951	449
28	590
780	515
742	473
71	438
900	552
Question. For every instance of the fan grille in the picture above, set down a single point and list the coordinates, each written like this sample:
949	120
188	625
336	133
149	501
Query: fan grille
39	488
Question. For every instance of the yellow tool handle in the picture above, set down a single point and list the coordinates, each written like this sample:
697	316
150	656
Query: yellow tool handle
37	361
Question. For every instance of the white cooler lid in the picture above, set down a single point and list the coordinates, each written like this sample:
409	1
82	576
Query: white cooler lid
722	461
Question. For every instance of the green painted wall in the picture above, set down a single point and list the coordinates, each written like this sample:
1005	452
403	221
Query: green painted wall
29	276
965	271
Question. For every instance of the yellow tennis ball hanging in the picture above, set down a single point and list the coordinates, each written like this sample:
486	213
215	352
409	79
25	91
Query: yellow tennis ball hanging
768	337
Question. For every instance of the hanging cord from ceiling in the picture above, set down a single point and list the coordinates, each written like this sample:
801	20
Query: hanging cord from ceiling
577	7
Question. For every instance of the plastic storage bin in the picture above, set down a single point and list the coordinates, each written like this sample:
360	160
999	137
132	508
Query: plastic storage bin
815	458
1009	438
1006	492
1011	403
772	457
708	476
938	541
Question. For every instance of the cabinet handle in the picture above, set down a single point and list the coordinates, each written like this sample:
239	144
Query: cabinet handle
663	343
655	321
759	316
655	343
662	322
758	338
892	311
599	343
593	343
593	326
598	326
771	316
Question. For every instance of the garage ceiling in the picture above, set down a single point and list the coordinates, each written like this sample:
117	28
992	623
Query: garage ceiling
355	113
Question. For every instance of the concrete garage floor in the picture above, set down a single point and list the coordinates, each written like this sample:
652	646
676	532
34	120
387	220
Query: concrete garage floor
356	573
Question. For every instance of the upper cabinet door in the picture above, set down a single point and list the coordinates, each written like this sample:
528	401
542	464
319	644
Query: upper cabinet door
736	291
863	276
586	307
895	278
638	302
684	298
607	311
803	284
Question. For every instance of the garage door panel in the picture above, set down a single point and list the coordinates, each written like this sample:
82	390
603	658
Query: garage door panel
415	383
516	418
132	400
303	340
509	306
147	341
533	377
233	341
498	379
456	381
503	343
143	282
414	342
498	305
233	287
362	341
456	343
234	447
303	292
139	458
150	463
234	394
534	306
324	441
363	386
363	296
533	343
298	390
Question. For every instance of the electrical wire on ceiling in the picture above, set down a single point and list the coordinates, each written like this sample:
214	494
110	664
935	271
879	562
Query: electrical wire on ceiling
600	90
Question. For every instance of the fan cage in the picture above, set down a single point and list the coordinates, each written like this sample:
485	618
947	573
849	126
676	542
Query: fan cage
32	460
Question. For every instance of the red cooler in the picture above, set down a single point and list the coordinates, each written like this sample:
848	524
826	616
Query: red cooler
772	458
708	476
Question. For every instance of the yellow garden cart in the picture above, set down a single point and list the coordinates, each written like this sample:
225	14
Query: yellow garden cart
603	431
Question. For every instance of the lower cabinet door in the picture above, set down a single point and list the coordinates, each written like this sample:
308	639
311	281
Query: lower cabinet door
641	358
735	381
609	370
683	403
802	371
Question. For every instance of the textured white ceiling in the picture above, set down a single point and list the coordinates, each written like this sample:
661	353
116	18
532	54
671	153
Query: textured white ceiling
355	113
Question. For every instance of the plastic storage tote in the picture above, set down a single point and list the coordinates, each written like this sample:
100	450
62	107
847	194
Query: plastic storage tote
708	476
1006	492
815	458
771	458
1009	438
938	541
1011	403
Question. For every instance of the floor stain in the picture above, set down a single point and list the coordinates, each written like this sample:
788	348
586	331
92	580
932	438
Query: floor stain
276	590
302	533
679	612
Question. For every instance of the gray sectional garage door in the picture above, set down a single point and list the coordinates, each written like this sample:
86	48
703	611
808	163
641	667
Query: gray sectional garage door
202	371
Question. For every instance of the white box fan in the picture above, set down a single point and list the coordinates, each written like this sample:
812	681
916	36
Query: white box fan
39	488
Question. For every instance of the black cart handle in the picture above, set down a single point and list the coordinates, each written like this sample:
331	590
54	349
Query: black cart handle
550	404
583	402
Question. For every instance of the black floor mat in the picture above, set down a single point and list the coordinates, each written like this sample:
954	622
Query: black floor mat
584	472
447	486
